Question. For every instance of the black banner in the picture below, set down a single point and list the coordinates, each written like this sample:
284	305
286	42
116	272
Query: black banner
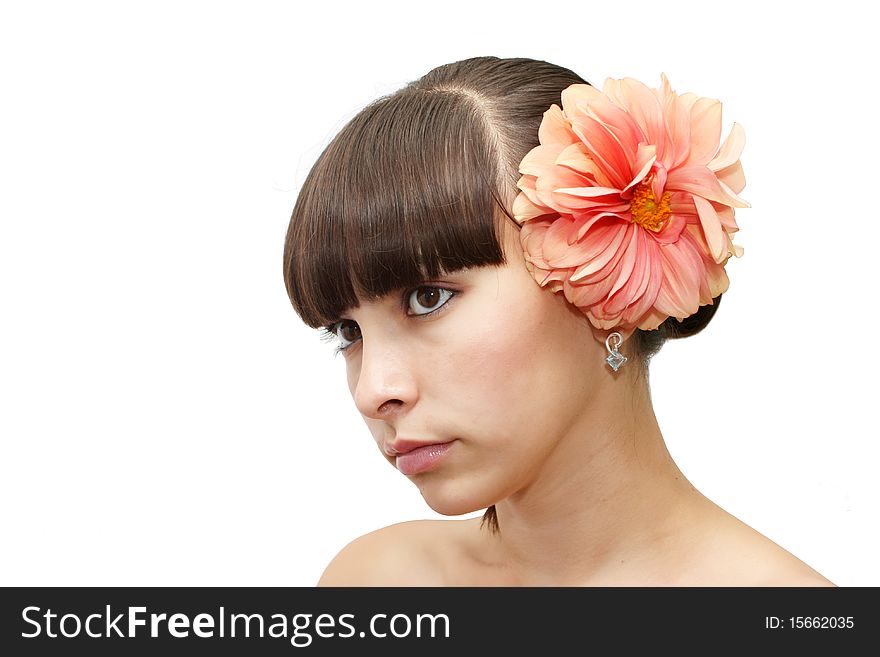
343	621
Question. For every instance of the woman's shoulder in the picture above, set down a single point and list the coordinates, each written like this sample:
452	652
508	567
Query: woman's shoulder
781	568
402	554
739	555
442	553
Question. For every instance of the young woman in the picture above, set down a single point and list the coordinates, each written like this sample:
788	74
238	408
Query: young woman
499	249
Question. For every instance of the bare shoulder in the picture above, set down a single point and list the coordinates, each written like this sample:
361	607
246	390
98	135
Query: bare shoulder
798	579
743	556
402	554
782	568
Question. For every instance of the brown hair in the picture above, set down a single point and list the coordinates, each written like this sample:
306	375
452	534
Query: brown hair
418	184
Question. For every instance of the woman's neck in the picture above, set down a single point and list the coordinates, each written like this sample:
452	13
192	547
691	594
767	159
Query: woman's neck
608	499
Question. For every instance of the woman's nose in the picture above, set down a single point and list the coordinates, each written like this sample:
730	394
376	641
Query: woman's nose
385	385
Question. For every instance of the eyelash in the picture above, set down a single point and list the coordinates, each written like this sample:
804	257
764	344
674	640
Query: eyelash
328	333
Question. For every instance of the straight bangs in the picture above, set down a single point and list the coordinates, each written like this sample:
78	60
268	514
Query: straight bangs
406	192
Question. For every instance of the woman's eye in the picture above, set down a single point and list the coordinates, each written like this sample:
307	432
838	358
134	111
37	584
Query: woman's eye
425	300
342	333
348	332
422	301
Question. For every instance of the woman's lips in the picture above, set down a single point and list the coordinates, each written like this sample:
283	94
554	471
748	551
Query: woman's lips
422	458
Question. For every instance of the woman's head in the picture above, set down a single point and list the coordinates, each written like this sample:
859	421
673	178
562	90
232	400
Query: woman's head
420	182
418	188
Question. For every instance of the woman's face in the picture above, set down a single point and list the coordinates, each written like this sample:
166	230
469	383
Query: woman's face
493	377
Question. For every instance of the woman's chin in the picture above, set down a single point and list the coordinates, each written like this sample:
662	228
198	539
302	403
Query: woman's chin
452	501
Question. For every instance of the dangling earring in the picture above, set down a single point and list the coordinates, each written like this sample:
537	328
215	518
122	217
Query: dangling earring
615	358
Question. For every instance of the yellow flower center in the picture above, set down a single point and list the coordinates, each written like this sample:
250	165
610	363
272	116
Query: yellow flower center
645	209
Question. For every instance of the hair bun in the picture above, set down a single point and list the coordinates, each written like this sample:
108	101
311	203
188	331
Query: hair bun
648	343
693	324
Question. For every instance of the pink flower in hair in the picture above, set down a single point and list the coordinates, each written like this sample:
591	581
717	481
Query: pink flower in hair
627	206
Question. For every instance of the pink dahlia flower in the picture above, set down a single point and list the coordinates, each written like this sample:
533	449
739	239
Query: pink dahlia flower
627	205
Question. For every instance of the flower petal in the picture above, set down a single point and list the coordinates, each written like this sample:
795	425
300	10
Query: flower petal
559	253
671	230
712	229
604	149
678	116
679	294
622	124
705	130
590	192
560	177
730	150
575	158
632	280
645	159
733	177
576	98
540	159
586	220
554	128
524	209
653	276
585	296
701	181
643	104
628	262
532	239
596	259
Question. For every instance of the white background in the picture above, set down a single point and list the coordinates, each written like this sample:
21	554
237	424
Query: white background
165	418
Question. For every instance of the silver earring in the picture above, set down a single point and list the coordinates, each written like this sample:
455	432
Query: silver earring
615	358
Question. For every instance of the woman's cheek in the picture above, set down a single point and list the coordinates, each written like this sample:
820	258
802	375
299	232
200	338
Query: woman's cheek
493	374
